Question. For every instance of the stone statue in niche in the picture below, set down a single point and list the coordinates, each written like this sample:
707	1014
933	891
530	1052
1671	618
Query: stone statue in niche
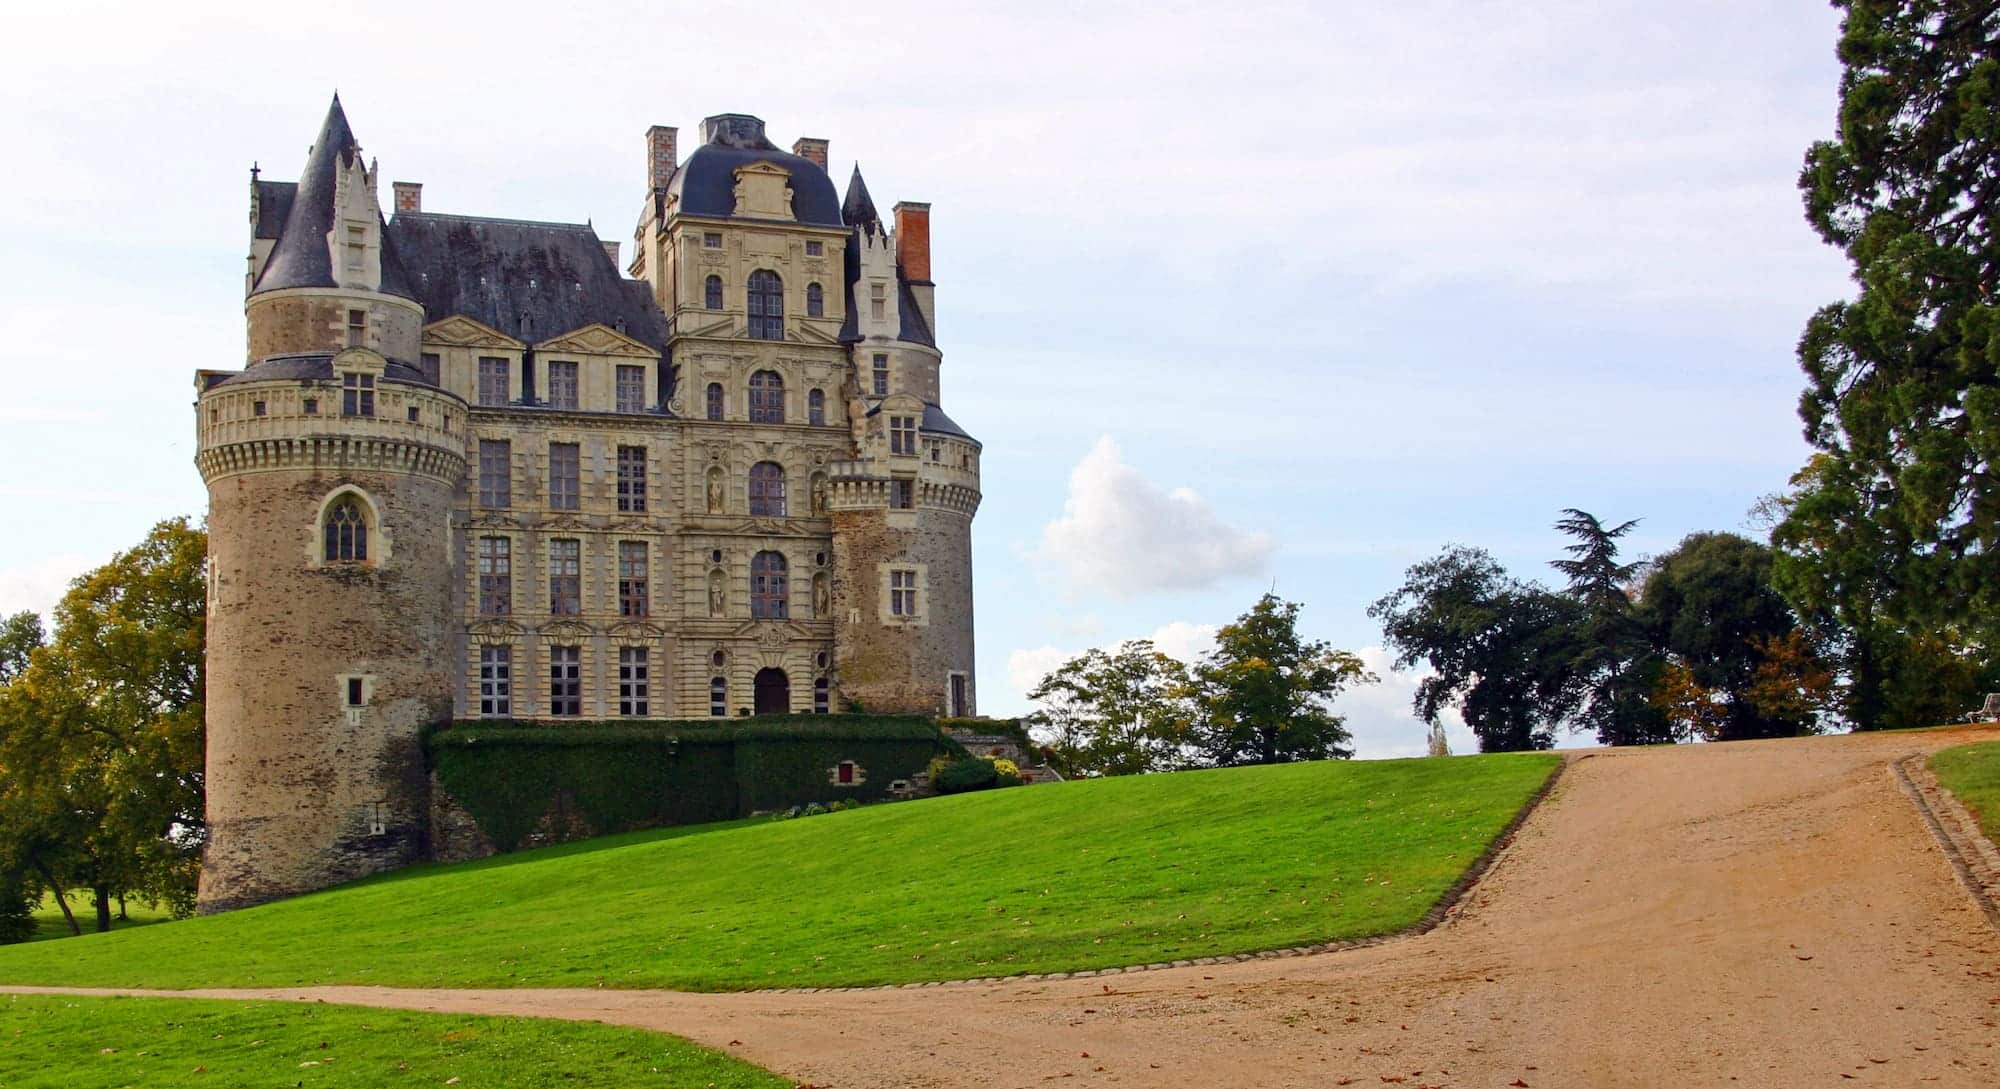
715	491
715	593
820	602
819	494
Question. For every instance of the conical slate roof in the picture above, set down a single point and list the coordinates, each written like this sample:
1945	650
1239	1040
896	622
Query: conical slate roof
858	210
301	257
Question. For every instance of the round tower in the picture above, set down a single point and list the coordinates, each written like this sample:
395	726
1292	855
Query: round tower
332	462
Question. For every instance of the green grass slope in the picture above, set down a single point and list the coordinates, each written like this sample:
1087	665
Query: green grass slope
50	924
172	1043
1058	877
1972	773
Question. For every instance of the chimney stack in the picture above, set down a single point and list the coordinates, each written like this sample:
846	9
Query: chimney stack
661	154
913	241
807	147
611	251
409	197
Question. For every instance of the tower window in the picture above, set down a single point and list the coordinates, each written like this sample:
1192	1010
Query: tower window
815	408
768	597
715	400
356	692
632	478
712	293
718	697
566	681
815	249
256	408
631	389
881	374
902	593
767	398
960	706
496	576
357	325
564	491
565	577
712	240
902	493
633	684
633	578
903	435
878	301
767	490
496	681
357	395
346	532
493	380
562	384
309	406
496	473
767	305
815	301
357	252
415	414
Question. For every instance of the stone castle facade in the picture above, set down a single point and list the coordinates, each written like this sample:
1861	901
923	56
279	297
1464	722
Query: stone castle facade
473	468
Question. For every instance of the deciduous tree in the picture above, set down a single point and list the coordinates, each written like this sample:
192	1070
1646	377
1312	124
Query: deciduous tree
1119	713
1267	692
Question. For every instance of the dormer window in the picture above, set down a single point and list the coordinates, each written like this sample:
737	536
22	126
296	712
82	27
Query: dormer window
878	301
357	395
357	328
357	248
903	434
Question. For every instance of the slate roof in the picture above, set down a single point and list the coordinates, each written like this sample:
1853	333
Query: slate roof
274	203
529	280
858	212
301	258
706	183
858	209
299	368
937	423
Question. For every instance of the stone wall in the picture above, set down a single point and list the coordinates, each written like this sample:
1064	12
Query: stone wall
887	663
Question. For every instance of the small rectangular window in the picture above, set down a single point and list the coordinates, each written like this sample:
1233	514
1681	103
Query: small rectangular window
357	395
309	406
903	435
565	577
357	249
902	593
496	681
902	493
432	367
878	302
414	414
565	492
496	576
815	249
566	681
881	374
711	240
562	384
355	691
496	473
634	582
634	686
493	380
631	389
960	706
357	328
257	408
632	478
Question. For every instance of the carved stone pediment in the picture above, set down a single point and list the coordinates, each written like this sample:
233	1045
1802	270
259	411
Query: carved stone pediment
459	331
567	629
764	190
495	631
596	339
637	630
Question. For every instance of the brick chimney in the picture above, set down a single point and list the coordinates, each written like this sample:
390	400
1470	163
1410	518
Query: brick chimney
611	251
409	196
661	154
913	241
807	147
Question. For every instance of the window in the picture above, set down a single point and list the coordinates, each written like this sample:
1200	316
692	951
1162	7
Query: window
768	599
960	707
496	576
815	249
712	240
414	414
256	408
767	490
767	398
633	686
632	478
564	493
767	305
496	473
562	384
881	375
631	389
902	593
309	406
346	532
565	577
844	773
878	301
902	493
713	295
815	301
633	580
820	694
815	407
357	250
715	400
496	681
357	395
718	697
493	379
357	328
903	435
356	691
566	681
432	365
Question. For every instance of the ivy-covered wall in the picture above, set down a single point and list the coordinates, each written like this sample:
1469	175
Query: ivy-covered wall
523	782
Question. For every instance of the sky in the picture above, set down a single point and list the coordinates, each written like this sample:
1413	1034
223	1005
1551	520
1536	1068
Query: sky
1238	297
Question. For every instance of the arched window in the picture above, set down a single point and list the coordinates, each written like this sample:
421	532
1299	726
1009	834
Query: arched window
767	305
767	491
767	398
816	407
768	599
714	293
346	532
815	301
715	400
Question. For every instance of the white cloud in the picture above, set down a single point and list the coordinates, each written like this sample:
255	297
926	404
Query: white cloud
1181	640
1123	534
1379	715
1184	641
40	584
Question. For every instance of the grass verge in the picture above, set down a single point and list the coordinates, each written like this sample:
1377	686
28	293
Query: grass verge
49	922
1058	877
49	1042
1972	774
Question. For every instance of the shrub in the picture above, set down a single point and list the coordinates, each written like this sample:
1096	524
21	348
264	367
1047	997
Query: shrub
17	914
1008	773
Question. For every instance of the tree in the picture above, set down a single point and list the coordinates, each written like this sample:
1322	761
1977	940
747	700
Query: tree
20	634
1895	530
1266	692
1614	662
1502	651
1122	713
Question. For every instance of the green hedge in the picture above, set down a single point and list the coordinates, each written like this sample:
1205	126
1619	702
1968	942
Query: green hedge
615	777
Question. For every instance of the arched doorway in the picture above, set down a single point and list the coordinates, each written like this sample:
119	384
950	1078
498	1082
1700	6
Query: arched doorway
774	692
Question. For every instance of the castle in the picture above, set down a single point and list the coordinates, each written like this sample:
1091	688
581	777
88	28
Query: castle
473	468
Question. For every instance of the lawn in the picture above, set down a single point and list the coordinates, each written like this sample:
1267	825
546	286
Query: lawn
1972	772
161	1043
49	922
1056	877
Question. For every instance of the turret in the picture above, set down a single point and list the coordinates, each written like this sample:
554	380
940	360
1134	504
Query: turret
331	463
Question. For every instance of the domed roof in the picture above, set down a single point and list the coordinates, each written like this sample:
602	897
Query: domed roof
706	183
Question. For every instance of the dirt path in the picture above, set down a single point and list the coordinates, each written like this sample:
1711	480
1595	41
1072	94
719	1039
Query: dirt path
1759	914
